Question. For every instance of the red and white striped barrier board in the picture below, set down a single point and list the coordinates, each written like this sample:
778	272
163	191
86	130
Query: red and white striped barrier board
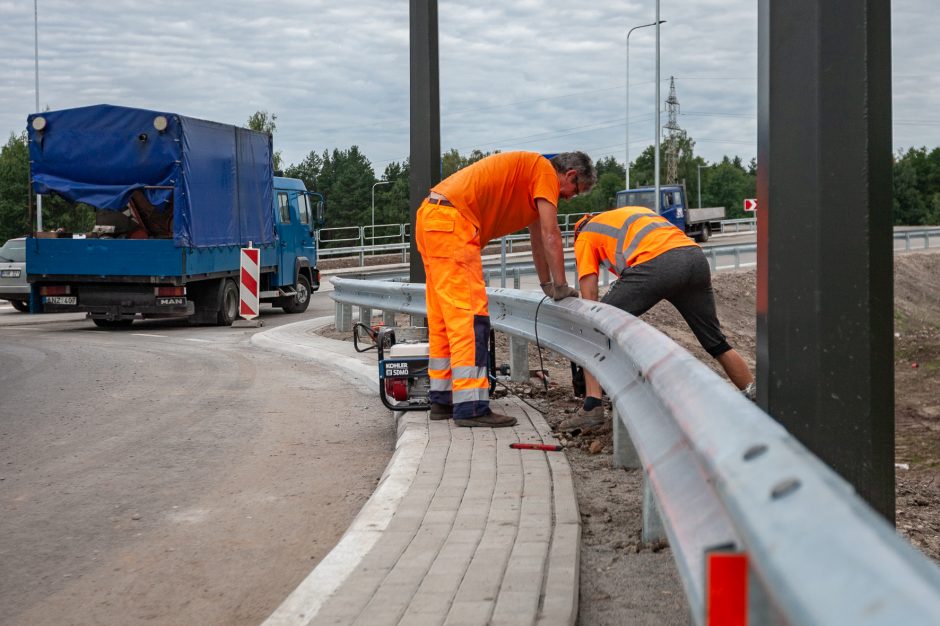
248	285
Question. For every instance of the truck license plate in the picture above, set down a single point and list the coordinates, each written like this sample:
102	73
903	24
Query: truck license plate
9	273
170	301
73	300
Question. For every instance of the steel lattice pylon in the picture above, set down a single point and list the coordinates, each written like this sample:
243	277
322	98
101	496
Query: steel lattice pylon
672	143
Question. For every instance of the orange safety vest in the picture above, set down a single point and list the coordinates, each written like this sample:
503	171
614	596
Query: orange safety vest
624	237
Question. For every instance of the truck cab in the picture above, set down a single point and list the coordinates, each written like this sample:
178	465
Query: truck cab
697	223
298	213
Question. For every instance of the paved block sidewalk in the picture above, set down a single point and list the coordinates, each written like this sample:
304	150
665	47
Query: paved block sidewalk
461	529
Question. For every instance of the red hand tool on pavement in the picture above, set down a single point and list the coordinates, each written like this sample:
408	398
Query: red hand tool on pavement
536	446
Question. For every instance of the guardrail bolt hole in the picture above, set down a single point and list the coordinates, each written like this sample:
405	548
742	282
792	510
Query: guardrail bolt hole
755	451
785	488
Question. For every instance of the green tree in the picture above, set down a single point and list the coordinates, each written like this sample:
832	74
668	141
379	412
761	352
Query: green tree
610	165
14	188
909	203
307	170
727	184
266	123
451	161
392	202
346	180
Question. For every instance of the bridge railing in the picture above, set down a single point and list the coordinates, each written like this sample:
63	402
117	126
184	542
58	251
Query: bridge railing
747	510
362	241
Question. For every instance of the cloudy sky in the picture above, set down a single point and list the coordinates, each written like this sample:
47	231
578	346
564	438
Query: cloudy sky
543	75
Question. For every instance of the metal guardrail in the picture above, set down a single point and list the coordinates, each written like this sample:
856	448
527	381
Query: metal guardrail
927	234
743	256
726	478
366	240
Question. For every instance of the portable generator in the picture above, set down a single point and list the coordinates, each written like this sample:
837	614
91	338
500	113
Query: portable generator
404	383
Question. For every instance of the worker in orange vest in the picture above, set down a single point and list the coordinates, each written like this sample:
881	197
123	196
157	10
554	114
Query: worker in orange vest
654	261
493	197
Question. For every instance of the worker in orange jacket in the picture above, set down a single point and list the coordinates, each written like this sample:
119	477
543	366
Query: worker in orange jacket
653	261
493	197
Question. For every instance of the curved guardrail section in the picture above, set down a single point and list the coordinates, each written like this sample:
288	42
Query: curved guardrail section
725	476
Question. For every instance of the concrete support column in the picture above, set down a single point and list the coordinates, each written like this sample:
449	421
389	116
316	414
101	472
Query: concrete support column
343	317
624	455
518	359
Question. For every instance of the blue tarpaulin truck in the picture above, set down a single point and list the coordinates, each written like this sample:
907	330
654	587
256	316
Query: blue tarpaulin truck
696	223
175	199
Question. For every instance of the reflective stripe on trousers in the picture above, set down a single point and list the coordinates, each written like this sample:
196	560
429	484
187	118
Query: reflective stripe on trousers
458	319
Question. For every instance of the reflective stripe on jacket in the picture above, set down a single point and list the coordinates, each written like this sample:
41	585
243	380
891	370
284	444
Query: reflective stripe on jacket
624	237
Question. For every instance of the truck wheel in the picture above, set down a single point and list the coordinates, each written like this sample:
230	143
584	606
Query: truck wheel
19	305
101	323
228	303
703	234
301	300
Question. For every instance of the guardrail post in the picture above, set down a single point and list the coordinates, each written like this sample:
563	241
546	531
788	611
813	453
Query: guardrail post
737	258
653	529
516	279
625	455
365	315
343	317
713	259
518	359
388	318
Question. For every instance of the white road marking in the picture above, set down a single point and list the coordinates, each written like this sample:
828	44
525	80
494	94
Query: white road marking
148	335
199	340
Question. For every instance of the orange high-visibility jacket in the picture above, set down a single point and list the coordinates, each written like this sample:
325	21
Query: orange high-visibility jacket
624	237
498	193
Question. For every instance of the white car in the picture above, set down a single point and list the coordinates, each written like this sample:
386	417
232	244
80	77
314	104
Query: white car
13	285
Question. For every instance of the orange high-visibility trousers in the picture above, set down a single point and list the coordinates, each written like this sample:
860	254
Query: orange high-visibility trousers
458	318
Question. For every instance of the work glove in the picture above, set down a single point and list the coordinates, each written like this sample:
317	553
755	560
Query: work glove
563	291
548	289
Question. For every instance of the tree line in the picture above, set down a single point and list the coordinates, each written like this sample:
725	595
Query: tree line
347	180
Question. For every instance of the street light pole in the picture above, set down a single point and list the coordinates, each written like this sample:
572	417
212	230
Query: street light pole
36	57
626	162
699	170
381	182
658	205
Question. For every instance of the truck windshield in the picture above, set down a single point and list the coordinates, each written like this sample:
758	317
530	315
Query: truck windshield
637	198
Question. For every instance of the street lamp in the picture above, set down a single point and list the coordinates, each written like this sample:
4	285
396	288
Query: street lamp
699	170
658	205
381	182
36	56
627	142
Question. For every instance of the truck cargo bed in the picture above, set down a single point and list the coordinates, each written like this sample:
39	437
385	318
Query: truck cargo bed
131	259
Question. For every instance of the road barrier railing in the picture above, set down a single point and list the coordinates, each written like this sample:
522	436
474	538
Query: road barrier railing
361	241
929	236
757	524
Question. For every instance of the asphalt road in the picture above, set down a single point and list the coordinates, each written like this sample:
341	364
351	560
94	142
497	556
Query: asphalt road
170	474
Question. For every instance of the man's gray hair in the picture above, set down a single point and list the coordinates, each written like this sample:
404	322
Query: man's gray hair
579	162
